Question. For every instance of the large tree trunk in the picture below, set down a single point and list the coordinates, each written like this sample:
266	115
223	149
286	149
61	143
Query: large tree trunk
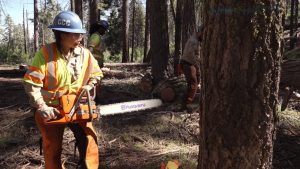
178	33
147	34
94	11
240	73
159	51
78	9
188	20
125	53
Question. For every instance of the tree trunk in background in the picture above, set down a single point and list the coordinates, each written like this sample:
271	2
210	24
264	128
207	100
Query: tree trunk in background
42	14
94	11
125	52
147	34
72	4
240	72
133	31
78	9
189	20
36	26
159	51
24	32
173	10
296	21
28	36
292	19
178	33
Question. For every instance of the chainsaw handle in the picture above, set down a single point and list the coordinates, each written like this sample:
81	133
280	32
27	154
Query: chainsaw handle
89	104
89	88
85	89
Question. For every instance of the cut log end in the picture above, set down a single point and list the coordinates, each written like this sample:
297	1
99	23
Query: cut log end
167	94
146	84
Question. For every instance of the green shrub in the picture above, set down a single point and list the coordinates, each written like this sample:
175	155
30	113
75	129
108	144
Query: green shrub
138	55
108	58
15	56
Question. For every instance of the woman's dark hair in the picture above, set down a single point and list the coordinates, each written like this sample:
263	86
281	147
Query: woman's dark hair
58	39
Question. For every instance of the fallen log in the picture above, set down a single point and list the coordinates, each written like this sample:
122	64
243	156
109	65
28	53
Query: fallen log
289	80
146	84
13	73
290	74
132	65
118	74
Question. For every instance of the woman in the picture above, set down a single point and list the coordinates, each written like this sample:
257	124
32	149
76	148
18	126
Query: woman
57	69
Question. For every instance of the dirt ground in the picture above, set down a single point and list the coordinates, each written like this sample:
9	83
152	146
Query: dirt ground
140	140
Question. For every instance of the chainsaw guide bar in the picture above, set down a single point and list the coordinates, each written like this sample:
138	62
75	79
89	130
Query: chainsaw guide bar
126	107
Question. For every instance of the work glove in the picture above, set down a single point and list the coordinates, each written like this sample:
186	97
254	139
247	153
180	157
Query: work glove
47	112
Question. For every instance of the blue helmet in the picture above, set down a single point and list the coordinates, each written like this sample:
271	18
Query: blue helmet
67	21
104	24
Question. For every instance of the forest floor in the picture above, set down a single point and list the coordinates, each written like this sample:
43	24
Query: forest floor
140	140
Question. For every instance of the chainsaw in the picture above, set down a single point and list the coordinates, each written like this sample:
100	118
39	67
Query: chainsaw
83	108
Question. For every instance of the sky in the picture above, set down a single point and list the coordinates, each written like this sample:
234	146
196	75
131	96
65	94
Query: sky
14	8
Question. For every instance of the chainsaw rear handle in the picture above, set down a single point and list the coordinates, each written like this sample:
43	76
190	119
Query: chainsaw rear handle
89	88
85	89
68	117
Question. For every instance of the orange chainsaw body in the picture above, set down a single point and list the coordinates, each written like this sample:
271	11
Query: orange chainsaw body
81	112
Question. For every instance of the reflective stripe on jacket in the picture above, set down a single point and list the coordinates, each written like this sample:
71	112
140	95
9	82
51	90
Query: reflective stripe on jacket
50	71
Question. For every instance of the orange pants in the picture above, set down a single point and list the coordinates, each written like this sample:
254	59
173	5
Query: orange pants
192	74
52	144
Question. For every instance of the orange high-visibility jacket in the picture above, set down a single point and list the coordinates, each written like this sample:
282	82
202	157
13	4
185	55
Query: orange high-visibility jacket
50	71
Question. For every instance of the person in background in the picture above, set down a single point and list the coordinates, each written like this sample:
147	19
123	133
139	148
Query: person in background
60	68
97	30
189	62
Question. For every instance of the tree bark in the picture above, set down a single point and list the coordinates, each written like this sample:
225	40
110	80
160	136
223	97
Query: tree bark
188	20
78	9
159	51
292	19
94	11
178	33
125	53
240	67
